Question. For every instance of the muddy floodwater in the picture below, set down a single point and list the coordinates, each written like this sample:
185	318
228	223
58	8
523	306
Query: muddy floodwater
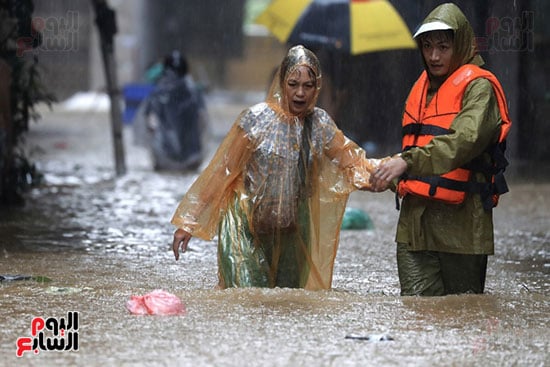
99	240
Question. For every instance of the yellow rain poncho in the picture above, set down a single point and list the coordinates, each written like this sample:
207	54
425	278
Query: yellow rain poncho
276	190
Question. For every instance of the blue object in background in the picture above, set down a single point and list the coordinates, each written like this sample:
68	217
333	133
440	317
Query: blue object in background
134	94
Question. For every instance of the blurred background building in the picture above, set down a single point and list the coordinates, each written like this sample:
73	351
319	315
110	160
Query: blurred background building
365	93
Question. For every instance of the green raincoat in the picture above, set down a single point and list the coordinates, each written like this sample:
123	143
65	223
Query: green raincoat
464	228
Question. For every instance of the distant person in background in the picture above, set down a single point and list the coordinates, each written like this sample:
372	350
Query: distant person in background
450	171
176	117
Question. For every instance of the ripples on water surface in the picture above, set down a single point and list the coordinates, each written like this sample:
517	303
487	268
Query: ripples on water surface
101	240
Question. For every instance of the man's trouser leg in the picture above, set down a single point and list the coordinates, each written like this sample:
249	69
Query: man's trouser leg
419	272
463	273
430	273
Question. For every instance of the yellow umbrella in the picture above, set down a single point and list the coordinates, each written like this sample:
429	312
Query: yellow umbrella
354	26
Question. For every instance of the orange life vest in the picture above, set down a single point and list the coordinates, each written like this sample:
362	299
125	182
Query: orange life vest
421	124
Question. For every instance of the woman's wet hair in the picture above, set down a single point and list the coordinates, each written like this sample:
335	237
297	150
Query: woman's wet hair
300	56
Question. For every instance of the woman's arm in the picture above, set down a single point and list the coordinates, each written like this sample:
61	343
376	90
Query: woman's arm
352	159
199	211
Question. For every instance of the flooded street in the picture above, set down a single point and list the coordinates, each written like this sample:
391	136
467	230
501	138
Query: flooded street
100	240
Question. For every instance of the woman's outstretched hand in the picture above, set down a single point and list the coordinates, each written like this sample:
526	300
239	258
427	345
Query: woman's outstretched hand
386	172
181	239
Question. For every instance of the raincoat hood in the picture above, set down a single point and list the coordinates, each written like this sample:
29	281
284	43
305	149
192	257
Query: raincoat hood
297	56
449	17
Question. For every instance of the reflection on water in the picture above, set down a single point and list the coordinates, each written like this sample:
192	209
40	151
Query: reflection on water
101	240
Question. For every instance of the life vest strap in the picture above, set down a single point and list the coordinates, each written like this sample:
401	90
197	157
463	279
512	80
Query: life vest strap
485	189
498	161
423	129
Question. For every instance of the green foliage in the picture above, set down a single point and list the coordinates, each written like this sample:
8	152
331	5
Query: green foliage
17	40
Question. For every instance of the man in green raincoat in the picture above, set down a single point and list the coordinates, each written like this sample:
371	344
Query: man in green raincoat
450	171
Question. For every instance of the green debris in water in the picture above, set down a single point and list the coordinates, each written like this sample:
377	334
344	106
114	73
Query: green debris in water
356	219
41	279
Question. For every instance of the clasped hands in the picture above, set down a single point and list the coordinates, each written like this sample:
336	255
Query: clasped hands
387	171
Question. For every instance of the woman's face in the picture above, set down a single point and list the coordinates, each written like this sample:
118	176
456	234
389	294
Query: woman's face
300	90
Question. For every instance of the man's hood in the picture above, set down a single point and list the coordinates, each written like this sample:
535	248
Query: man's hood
449	16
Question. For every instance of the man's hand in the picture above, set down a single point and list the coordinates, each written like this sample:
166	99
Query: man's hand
386	172
181	239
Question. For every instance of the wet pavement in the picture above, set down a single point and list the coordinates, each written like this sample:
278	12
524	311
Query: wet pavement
101	239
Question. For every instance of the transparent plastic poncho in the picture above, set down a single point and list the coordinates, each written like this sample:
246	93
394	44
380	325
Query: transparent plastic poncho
275	191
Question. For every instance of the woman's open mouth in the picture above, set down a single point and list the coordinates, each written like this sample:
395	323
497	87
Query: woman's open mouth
299	104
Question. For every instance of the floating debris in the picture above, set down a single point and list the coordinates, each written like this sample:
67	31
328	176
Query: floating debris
157	302
15	277
12	278
66	290
41	279
371	337
356	219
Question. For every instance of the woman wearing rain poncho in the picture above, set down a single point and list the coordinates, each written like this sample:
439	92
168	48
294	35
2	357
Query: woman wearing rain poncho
276	189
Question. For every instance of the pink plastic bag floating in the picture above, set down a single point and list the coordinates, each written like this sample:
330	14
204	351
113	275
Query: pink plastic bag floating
158	302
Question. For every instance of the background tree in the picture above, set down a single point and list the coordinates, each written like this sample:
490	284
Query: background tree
20	91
